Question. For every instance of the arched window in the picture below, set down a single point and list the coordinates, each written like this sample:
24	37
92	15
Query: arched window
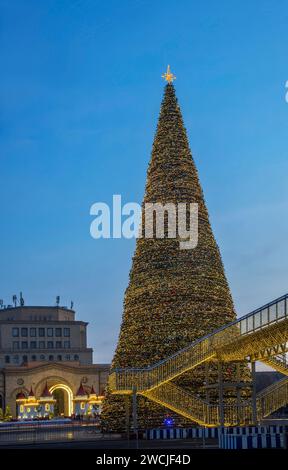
7	359
25	359
76	357
42	357
51	357
59	357
34	358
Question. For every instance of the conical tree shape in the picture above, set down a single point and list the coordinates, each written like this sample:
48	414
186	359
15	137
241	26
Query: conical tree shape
174	295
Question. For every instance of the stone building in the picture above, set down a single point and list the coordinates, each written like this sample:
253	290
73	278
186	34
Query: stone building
46	345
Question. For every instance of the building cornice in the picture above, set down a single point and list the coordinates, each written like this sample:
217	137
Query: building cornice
38	307
26	370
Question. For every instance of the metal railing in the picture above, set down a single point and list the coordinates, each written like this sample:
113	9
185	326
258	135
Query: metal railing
143	379
184	403
278	363
272	398
201	350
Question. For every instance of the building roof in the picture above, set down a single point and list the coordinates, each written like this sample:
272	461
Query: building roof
46	392
36	313
38	307
81	391
21	396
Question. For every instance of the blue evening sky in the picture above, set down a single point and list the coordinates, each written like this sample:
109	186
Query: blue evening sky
81	88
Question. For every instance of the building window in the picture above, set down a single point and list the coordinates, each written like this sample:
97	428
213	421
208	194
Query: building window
82	406
67	357
7	359
21	408
24	331
59	344
33	332
15	332
58	332
41	344
47	407
41	332
76	357
15	359
67	332
59	357
34	358
66	344
42	357
49	331
25	359
33	344
51	358
50	344
24	345
15	344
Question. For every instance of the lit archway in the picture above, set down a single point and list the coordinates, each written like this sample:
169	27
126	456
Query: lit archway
69	393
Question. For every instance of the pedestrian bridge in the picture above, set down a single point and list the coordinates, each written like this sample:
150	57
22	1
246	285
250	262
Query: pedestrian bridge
262	335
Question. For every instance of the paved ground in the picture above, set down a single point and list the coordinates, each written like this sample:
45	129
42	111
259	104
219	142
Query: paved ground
121	444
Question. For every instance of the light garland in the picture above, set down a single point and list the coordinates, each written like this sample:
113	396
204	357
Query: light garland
174	296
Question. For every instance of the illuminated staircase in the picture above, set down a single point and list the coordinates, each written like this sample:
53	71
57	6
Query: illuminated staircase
184	403
272	398
188	405
123	380
278	363
260	335
258	331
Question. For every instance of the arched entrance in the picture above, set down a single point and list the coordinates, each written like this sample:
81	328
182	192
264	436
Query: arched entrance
64	399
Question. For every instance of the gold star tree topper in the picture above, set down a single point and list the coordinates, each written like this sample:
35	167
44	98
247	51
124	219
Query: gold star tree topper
169	76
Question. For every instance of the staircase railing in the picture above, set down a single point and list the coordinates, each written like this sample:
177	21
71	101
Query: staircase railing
201	350
184	403
278	363
272	398
143	379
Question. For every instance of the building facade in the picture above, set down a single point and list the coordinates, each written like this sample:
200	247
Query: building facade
45	347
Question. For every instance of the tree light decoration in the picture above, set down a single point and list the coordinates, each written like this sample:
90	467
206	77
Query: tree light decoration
168	421
174	296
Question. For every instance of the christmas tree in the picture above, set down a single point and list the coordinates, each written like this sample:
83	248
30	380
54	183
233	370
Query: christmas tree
174	295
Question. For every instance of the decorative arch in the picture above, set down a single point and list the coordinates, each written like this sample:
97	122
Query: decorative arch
68	390
54	382
51	381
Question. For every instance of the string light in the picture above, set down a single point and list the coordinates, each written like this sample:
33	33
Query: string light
174	296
